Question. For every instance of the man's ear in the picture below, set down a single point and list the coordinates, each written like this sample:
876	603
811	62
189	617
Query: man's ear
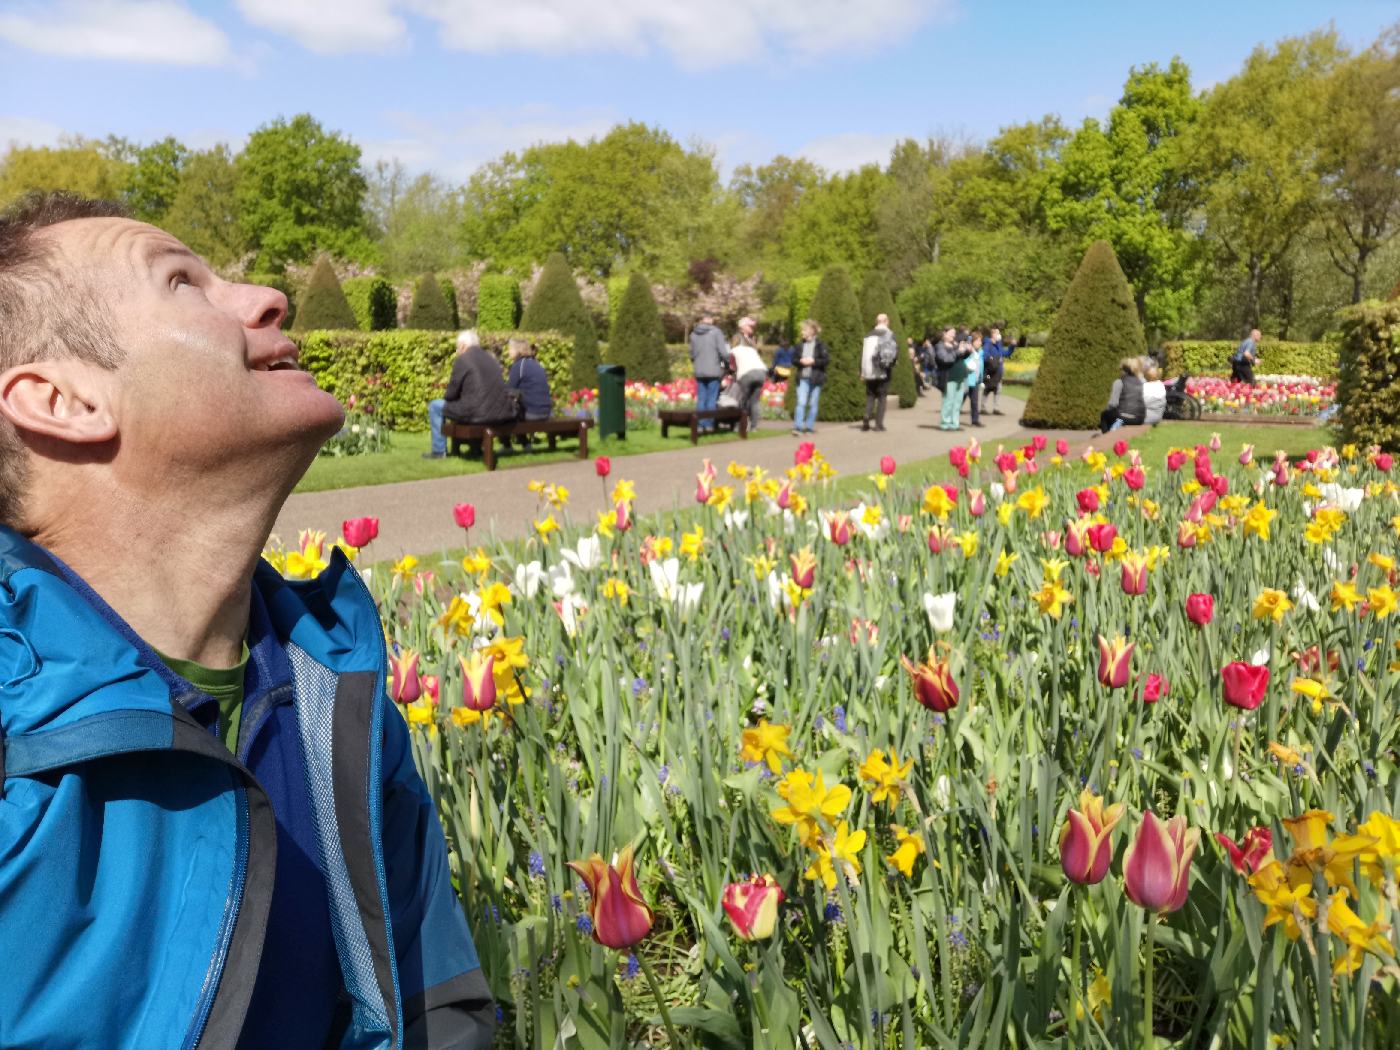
67	400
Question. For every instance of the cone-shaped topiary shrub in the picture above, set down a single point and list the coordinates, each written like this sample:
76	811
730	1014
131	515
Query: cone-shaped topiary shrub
497	303
430	311
800	294
556	305
373	303
835	308
876	299
322	304
449	292
1368	387
1096	327
638	341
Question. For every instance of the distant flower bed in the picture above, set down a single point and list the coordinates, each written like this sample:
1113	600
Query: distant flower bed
360	435
1270	396
646	400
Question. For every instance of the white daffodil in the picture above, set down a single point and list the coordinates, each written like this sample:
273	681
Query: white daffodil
528	577
1304	598
665	576
561	580
940	608
587	555
1347	499
734	520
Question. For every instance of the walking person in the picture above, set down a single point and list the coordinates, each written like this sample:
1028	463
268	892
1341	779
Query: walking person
1246	355
812	359
877	356
951	356
709	355
995	351
750	373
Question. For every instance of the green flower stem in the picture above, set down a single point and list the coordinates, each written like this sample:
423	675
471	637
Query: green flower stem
671	1032
1150	938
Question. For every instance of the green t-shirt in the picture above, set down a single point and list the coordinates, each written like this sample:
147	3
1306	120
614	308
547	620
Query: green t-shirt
225	685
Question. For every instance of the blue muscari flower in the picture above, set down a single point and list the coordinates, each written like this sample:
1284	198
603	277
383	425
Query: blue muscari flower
838	718
638	684
1368	644
536	864
544	683
724	633
633	968
603	782
663	774
556	902
585	924
957	940
559	659
832	912
817	724
1137	753
500	1014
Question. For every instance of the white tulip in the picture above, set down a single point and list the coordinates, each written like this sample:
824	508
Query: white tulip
940	608
664	577
1304	598
588	554
561	580
528	578
735	520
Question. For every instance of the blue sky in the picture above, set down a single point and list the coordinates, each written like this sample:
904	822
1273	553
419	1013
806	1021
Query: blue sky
447	84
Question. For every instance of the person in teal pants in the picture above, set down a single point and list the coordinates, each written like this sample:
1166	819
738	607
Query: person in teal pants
958	349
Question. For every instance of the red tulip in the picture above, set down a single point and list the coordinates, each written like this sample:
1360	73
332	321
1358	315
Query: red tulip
1244	684
1134	478
603	466
1204	475
1312	455
478	681
620	916
933	682
805	451
1101	537
1248	856
1154	687
1115	660
1077	536
1175	460
1006	462
1088	500
938	538
1061	447
464	514
1120	447
1085	846
1157	863
1220	485
887	465
404	684
1384	461
1200	608
752	906
957	457
360	532
1134	577
1038	442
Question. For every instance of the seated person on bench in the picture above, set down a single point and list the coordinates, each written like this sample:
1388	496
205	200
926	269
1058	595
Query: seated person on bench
528	379
476	393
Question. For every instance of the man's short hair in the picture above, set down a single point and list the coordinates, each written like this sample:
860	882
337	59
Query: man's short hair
467	338
45	312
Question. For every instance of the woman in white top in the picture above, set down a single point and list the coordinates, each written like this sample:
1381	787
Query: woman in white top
1154	396
750	373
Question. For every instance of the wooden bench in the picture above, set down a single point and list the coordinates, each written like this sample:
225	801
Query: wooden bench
456	433
730	418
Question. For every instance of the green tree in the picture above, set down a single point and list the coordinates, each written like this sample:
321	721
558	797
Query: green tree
801	292
204	210
834	223
1254	155
875	299
637	341
835	308
430	311
322	305
556	305
416	221
766	195
76	165
1124	184
152	175
300	190
1096	327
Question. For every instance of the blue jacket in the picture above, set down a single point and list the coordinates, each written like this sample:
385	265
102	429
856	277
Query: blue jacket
529	377
137	855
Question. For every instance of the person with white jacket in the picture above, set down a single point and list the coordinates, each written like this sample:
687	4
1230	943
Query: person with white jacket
750	373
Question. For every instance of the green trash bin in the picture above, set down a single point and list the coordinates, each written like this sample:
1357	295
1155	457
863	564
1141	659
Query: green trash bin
612	401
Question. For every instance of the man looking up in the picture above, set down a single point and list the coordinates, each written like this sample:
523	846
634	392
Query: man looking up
212	833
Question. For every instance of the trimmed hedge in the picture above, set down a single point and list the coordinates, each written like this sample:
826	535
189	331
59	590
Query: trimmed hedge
498	302
557	306
372	301
1212	358
430	310
800	295
617	289
1368	386
397	372
323	304
876	299
637	341
449	292
835	308
1095	328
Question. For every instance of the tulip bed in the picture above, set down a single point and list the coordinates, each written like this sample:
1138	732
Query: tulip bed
1270	396
646	400
1075	751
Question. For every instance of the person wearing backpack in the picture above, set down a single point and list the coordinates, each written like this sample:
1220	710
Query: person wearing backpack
877	357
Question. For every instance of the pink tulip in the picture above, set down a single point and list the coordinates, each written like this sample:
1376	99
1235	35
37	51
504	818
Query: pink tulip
1006	462
1085	840
478	681
1220	485
620	915
1134	576
622	516
1157	863
360	532
1185	535
1175	460
1134	478
1101	537
887	465
404	684
603	466
464	514
1120	448
957	457
1200	608
1247	455
838	529
805	451
1249	855
1383	461
938	538
976	503
1061	447
1077	537
1245	685
1115	661
752	907
1038	442
1214	442
1154	687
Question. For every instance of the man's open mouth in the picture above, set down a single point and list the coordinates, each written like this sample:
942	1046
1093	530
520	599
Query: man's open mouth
287	362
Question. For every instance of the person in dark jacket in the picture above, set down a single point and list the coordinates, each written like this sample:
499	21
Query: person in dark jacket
812	360
476	393
1126	405
709	354
527	378
212	831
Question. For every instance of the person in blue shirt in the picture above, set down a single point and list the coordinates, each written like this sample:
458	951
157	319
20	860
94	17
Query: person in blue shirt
212	832
1246	355
995	351
782	361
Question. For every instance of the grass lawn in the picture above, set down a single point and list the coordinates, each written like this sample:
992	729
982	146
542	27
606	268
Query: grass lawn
404	461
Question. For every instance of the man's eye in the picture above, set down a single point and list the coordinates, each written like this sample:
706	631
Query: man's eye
178	278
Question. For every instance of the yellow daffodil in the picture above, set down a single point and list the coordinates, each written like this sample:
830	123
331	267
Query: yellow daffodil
909	846
616	589
545	527
1271	604
937	502
477	563
1033	501
884	777
967	542
1312	689
1358	936
309	562
1286	755
809	802
1005	512
623	492
1053	568
766	743
1286	894
692	543
844	849
1344	595
1004	563
404	568
606	524
721	496
1384	562
1052	598
762	565
1376	860
1383	601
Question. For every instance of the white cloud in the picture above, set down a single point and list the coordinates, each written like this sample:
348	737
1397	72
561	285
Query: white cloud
26	131
330	26
849	150
456	144
696	34
159	31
